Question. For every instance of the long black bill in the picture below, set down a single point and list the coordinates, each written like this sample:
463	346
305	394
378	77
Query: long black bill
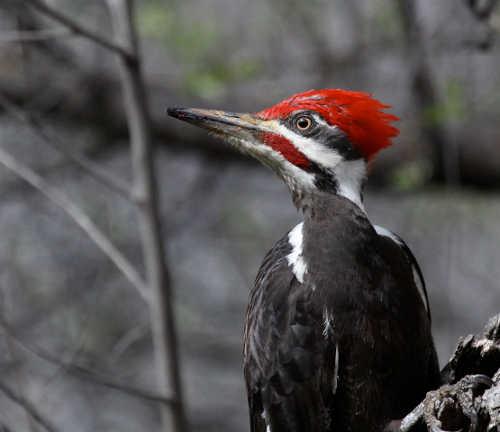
221	122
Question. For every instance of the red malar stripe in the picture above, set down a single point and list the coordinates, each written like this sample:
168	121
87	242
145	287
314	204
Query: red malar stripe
286	149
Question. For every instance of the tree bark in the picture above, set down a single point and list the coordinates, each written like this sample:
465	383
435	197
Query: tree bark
469	399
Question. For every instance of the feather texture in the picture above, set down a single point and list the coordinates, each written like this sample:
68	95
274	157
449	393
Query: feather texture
358	114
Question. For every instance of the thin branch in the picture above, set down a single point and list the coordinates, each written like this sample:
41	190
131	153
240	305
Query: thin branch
111	181
79	217
99	379
27	406
85	373
145	188
125	341
9	344
34	36
79	29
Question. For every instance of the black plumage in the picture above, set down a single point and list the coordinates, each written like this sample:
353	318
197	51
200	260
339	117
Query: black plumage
350	348
337	334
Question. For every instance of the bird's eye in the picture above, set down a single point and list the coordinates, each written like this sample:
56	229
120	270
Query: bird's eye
303	123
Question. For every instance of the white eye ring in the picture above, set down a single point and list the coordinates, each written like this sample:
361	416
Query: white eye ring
303	123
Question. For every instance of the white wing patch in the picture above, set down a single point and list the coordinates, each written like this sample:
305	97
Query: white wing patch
265	417
416	275
328	323
295	258
386	233
336	370
328	327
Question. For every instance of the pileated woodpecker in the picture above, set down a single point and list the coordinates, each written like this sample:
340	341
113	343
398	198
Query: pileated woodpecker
337	334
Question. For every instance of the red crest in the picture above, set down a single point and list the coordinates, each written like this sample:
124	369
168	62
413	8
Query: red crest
357	114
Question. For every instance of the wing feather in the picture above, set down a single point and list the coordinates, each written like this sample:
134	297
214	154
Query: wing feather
290	355
417	272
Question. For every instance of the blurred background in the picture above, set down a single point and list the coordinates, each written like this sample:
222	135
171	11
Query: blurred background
63	304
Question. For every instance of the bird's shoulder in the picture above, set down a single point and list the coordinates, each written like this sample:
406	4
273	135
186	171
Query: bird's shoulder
394	240
281	312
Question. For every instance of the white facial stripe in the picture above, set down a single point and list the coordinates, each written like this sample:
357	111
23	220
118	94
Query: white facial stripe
294	177
295	258
315	152
322	122
349	174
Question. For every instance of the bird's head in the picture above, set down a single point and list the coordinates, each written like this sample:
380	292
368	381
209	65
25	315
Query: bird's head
317	141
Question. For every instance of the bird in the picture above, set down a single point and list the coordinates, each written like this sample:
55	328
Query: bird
337	334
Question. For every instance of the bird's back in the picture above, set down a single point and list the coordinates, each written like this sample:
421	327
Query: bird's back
337	335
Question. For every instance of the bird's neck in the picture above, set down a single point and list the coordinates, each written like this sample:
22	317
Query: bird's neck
345	180
333	227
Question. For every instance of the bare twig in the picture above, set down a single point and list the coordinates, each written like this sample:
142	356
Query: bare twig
133	335
27	22
79	217
145	184
28	407
34	36
112	181
11	355
79	29
85	373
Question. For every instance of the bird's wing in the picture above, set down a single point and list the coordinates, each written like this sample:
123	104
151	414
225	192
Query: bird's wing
291	358
417	272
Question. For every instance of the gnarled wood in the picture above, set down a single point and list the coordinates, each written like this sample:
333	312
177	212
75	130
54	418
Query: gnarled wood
469	399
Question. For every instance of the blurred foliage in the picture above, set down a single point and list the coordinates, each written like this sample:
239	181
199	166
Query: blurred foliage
211	82
386	21
452	106
186	40
198	45
411	175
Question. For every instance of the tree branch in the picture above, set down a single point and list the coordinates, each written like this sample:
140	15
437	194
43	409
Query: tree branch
111	181
470	398
145	190
80	218
79	29
27	406
34	36
85	373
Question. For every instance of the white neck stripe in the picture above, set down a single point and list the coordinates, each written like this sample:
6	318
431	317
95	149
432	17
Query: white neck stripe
295	258
350	176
